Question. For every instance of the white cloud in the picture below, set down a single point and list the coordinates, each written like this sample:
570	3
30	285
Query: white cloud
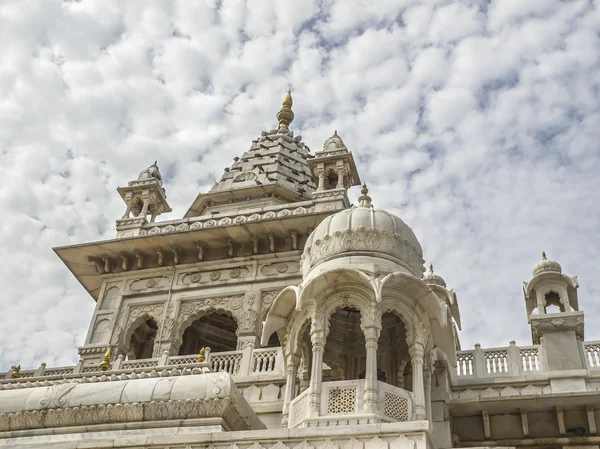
476	123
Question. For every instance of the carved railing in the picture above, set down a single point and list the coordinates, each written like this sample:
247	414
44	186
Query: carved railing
227	362
498	362
592	352
247	363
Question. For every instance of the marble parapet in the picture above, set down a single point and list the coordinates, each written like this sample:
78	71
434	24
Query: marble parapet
192	397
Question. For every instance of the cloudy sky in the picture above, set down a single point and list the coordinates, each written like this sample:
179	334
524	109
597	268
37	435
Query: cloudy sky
477	122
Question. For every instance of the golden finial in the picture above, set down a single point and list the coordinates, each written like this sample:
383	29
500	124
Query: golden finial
16	372
544	255
364	200
431	268
287	101
105	365
201	357
285	114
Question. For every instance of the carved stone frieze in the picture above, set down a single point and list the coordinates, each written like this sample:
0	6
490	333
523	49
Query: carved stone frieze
280	268
217	275
199	223
123	412
143	284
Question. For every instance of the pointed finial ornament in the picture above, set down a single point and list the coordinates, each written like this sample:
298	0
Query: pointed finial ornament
105	365
285	114
431	268
544	255
201	357
364	200
16	372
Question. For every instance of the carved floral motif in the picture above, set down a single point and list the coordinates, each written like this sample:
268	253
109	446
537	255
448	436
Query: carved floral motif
363	239
125	412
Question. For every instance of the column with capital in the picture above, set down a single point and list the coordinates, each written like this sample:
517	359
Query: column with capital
371	342
427	388
416	357
340	182
316	375
290	386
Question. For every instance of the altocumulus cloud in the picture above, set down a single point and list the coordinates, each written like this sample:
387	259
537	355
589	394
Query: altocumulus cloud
475	121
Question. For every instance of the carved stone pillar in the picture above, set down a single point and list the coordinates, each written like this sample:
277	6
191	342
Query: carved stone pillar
144	210
290	386
427	387
127	210
340	182
316	375
371	339
244	341
321	185
416	357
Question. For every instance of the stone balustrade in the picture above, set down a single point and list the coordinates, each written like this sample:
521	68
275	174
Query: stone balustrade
498	362
592	353
243	365
513	360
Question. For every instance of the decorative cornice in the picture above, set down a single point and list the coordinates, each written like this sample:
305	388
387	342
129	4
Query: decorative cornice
210	222
127	412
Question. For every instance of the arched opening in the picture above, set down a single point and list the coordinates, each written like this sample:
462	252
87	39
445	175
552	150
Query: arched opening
273	341
332	179
216	330
345	353
553	304
141	343
393	360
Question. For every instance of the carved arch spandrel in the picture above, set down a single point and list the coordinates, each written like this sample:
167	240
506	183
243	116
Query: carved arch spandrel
130	317
412	316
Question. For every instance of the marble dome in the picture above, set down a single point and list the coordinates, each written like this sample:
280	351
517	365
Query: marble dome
364	230
433	279
546	266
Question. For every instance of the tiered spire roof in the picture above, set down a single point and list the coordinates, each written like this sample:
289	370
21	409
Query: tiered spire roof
275	166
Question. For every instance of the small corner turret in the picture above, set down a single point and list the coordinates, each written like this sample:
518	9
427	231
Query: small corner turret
143	197
553	312
336	171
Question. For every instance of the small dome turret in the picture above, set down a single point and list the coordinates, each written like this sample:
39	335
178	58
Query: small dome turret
546	266
433	279
334	143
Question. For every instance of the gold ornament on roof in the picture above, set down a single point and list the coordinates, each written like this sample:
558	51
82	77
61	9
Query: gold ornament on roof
285	114
364	200
431	268
201	357
105	365
544	255
16	372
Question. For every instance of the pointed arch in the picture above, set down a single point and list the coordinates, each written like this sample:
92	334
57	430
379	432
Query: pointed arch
418	306
187	319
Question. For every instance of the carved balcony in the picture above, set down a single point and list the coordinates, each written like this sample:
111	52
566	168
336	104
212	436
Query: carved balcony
342	403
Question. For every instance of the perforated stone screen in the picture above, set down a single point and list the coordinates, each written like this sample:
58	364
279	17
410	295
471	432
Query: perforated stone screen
341	401
395	407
